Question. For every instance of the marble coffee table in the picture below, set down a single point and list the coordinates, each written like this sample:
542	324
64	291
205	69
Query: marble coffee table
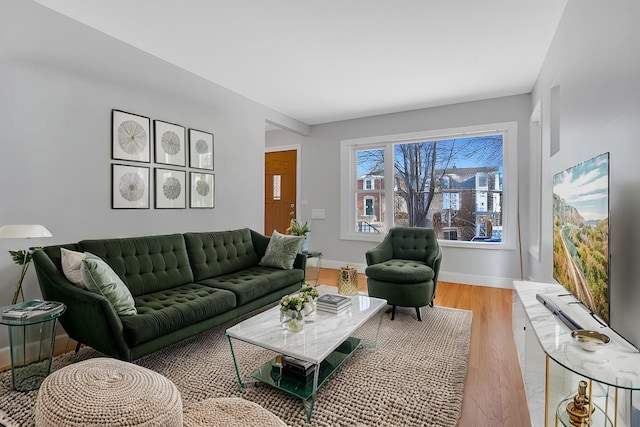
326	343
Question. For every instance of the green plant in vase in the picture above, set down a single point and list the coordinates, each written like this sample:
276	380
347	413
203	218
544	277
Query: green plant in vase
297	229
23	258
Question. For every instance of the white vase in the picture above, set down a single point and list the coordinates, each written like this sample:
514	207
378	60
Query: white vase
309	309
292	320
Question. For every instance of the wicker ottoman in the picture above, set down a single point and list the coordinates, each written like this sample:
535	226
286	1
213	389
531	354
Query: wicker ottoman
107	392
229	412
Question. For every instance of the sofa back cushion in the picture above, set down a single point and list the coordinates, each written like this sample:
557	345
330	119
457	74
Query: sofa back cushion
146	264
216	253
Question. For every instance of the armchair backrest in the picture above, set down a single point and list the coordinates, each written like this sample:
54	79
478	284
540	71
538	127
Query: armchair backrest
418	244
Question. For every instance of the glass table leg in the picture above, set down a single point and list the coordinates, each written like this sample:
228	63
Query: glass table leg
308	404
235	363
372	345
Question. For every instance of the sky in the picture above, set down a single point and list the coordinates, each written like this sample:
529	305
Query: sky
585	186
461	160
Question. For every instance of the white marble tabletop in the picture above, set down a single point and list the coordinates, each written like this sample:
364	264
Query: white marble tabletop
616	364
318	339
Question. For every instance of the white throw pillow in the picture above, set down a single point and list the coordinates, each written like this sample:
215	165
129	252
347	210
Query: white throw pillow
71	261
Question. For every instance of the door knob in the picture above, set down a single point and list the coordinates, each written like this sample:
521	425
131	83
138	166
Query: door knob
292	205
291	213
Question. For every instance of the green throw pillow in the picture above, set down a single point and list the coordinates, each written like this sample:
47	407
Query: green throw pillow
101	279
281	251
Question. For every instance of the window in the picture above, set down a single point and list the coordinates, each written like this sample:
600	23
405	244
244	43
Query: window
451	180
368	216
368	184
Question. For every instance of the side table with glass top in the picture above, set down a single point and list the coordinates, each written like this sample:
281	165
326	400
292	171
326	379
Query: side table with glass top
314	259
31	342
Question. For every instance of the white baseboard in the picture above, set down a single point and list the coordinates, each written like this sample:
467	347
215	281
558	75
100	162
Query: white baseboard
445	276
62	342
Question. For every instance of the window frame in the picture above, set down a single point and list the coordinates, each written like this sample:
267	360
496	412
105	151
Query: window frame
348	179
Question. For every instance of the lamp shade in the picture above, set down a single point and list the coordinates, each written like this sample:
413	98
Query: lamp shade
23	231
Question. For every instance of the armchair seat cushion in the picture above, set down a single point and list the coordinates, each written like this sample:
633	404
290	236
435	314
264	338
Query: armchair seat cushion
400	271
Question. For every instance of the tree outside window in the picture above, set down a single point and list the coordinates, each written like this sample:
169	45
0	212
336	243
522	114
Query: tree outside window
451	185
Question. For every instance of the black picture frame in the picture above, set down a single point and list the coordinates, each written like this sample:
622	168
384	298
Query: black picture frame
170	189
170	143
130	187
130	137
202	190
201	150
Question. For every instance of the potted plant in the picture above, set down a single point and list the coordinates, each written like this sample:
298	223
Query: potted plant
298	229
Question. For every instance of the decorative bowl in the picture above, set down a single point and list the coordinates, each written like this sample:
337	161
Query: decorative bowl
590	340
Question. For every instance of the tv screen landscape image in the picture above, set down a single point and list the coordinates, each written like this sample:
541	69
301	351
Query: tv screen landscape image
581	232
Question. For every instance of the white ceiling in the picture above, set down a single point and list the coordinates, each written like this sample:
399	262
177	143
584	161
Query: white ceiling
320	61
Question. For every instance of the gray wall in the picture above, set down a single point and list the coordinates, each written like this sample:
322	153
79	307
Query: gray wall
60	80
320	181
596	61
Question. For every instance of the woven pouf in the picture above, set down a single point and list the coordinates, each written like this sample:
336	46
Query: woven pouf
229	412
107	392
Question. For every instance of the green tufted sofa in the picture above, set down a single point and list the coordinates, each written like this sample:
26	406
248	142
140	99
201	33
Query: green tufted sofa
182	284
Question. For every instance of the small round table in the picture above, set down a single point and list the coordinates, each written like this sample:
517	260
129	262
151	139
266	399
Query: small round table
31	342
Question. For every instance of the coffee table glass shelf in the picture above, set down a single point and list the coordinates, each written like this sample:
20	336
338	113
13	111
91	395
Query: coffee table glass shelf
326	343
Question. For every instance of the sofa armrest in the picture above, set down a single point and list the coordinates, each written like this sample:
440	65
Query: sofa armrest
260	243
300	262
89	317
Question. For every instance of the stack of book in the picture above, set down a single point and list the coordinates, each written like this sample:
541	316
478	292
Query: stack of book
33	310
333	303
299	368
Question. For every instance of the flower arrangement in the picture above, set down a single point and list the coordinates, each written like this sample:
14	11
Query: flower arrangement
291	302
309	291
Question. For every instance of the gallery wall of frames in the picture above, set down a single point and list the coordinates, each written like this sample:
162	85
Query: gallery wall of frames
174	180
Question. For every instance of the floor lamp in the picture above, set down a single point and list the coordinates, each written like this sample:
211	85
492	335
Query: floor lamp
22	257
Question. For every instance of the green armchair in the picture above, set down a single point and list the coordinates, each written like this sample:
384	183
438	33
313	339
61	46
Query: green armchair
404	267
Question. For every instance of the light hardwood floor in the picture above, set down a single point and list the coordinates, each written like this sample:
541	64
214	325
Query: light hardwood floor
494	393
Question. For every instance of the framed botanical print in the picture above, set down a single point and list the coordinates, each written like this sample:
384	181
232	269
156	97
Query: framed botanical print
202	190
129	187
171	189
170	148
200	149
130	137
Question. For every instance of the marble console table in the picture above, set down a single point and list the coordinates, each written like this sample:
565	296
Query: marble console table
615	367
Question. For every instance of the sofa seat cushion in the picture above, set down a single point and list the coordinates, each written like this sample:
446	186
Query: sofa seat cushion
253	283
400	270
163	312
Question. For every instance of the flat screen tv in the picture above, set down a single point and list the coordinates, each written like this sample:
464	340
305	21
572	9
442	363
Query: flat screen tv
581	233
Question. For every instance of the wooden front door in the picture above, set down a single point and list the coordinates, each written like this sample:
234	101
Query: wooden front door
279	190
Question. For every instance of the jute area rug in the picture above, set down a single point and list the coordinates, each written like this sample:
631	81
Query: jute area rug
415	377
